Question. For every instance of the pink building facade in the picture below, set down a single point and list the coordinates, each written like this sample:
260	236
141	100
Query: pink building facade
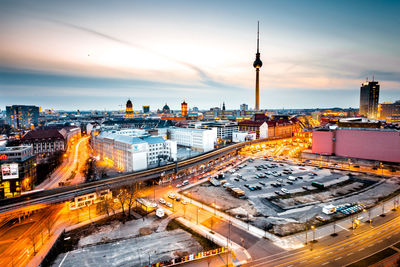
372	144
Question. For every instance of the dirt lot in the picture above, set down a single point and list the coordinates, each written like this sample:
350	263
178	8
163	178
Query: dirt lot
131	244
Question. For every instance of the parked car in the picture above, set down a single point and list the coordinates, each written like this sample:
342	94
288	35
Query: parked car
321	219
162	201
284	190
169	205
184	202
261	183
172	196
178	185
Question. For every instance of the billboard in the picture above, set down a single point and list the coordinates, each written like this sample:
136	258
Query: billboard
9	171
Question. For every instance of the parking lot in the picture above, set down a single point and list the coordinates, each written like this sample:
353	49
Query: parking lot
282	196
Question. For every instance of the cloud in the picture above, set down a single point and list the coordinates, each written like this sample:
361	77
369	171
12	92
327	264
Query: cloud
204	77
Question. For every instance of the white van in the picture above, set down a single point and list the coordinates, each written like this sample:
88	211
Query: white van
292	178
160	213
186	182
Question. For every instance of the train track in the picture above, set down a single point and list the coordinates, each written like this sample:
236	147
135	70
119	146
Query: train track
69	192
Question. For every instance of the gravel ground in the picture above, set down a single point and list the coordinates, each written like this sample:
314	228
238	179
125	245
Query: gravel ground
120	244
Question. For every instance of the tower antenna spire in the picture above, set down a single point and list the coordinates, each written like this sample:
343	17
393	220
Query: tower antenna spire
258	33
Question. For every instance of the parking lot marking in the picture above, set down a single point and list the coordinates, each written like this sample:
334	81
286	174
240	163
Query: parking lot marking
343	227
338	258
361	249
316	257
351	253
325	263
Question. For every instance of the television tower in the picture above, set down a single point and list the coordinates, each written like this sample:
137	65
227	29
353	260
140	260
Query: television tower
257	65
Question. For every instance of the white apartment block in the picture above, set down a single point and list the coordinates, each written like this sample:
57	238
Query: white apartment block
199	139
133	150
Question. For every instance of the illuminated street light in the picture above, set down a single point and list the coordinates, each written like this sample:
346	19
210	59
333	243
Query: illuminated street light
313	229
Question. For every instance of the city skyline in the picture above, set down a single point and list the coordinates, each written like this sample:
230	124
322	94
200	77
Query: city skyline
156	54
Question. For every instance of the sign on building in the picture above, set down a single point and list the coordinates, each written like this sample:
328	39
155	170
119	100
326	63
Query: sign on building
9	171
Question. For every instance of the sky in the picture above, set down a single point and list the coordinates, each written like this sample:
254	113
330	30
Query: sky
95	55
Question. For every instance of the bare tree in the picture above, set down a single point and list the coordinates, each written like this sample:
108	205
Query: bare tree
132	191
32	238
122	199
49	223
105	206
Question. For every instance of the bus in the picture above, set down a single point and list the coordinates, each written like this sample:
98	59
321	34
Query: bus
89	199
318	185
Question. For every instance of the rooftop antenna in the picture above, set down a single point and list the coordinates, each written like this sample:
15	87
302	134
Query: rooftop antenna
373	77
367	78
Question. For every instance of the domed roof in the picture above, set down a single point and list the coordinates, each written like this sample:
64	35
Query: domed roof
129	103
166	107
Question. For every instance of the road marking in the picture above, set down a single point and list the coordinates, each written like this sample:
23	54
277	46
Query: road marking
361	249
338	258
325	263
330	252
341	248
379	241
63	259
343	227
370	245
316	257
389	237
303	261
350	253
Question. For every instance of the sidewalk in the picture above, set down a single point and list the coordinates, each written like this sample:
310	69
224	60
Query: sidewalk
241	253
297	240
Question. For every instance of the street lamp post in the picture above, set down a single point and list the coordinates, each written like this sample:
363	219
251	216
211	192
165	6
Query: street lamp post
215	208
306	234
313	229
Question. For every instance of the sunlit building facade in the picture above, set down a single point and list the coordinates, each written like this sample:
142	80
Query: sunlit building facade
184	109
133	150
387	110
197	139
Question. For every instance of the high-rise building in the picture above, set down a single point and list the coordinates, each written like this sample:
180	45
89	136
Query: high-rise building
369	99
184	111
146	109
22	117
257	65
244	107
223	106
129	110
